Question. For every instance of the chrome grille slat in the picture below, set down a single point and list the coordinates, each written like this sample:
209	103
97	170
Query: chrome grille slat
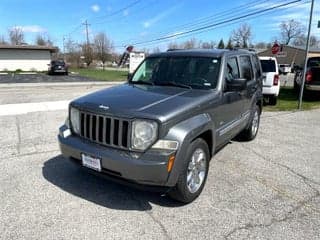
108	131
111	131
104	131
120	133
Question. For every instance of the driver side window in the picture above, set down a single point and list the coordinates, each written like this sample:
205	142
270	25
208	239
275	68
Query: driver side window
232	69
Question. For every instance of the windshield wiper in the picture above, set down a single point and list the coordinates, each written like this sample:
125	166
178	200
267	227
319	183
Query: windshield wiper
142	82
174	84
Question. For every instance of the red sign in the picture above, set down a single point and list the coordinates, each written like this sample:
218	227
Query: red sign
275	48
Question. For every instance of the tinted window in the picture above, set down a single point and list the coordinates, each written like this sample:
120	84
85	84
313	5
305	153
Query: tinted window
257	69
268	65
245	66
197	72
314	62
232	71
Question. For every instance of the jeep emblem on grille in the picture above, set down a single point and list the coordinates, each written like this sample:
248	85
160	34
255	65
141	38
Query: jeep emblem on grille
104	107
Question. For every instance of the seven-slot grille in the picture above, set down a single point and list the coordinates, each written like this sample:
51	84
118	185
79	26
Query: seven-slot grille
104	130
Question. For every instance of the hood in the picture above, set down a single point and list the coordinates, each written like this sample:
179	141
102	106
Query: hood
155	102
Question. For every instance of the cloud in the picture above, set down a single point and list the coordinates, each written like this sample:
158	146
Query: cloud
95	8
126	12
160	16
31	29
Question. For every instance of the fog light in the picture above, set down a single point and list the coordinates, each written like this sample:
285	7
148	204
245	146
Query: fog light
66	133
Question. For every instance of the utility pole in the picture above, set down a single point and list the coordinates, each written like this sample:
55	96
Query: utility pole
306	58
64	48
87	32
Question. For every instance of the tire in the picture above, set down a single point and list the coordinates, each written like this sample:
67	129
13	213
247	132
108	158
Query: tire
251	131
273	100
186	191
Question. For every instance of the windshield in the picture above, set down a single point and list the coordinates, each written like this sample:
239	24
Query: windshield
268	65
314	62
192	72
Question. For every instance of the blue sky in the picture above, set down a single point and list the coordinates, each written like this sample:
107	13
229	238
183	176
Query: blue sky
131	21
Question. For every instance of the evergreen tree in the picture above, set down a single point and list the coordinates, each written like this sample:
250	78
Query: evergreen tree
229	45
221	44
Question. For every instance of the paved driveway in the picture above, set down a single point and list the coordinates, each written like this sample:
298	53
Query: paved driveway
265	189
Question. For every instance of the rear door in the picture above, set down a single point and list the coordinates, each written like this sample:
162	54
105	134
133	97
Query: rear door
246	72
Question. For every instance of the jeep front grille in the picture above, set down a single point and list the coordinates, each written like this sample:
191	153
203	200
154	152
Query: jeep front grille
108	131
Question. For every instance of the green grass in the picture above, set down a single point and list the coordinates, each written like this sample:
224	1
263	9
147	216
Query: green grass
105	75
288	101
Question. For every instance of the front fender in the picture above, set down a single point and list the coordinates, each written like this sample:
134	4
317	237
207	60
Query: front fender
185	132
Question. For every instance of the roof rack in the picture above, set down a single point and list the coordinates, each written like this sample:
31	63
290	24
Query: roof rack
174	49
239	48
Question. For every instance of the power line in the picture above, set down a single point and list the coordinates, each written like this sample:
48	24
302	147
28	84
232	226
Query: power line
218	23
207	19
220	26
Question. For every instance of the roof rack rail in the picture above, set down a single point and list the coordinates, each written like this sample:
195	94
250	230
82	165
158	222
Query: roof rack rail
174	49
239	48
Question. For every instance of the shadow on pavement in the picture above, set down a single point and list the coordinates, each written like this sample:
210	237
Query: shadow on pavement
64	174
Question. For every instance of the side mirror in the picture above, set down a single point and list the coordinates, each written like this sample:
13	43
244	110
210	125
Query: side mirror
237	84
129	76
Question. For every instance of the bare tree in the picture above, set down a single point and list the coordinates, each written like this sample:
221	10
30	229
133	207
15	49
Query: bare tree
242	35
43	40
40	40
73	52
16	36
88	53
156	50
173	45
189	44
208	45
3	40
291	30
102	47
302	41
261	45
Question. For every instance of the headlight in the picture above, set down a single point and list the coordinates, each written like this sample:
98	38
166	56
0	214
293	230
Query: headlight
144	133
75	120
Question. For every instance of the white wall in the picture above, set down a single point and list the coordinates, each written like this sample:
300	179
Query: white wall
26	60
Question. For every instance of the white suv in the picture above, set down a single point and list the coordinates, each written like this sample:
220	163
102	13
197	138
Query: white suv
271	81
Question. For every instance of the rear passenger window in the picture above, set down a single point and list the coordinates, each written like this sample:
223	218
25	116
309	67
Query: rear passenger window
257	69
232	71
246	69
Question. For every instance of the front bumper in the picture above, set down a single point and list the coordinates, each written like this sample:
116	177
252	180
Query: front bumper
149	168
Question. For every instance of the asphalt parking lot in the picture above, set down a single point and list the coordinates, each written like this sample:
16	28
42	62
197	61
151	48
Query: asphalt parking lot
42	78
265	189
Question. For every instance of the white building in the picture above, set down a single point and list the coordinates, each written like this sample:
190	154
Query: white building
25	57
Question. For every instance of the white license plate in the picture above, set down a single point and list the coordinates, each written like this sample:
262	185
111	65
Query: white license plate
91	162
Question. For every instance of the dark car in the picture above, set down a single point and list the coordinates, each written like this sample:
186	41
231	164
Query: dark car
312	78
58	67
163	126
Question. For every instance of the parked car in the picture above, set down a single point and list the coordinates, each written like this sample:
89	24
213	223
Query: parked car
312	80
163	126
284	69
271	81
58	67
